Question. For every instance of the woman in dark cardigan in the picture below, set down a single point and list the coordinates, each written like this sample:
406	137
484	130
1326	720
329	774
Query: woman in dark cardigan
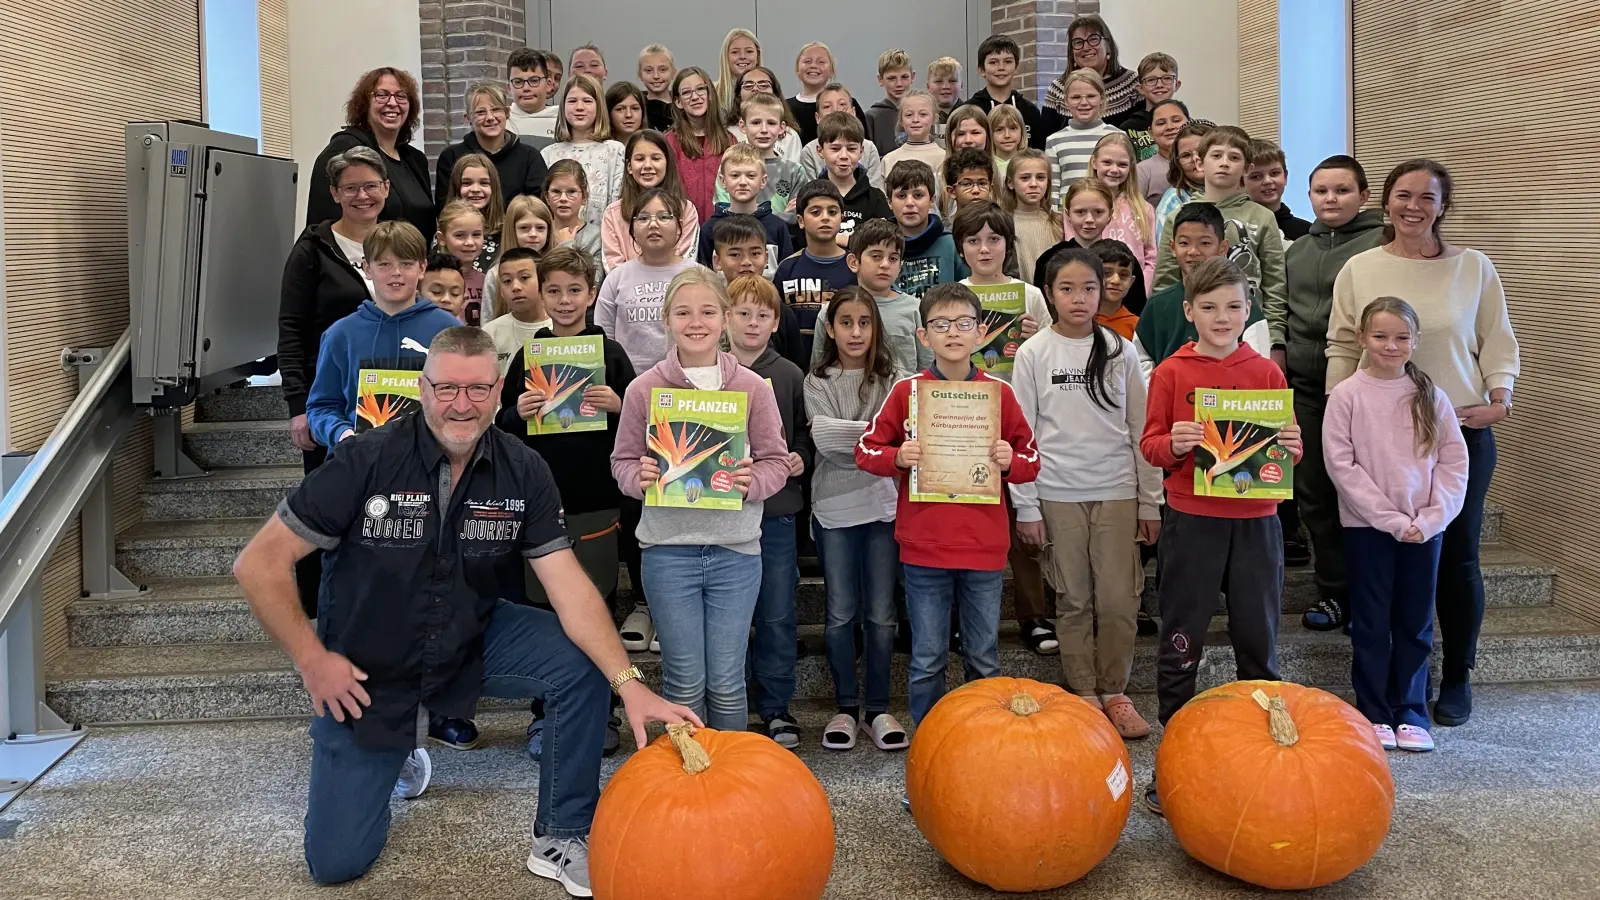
323	283
382	113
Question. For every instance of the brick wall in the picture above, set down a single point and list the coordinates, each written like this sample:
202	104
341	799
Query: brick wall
463	41
1040	28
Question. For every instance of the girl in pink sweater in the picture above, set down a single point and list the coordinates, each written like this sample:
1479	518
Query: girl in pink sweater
1394	450
702	567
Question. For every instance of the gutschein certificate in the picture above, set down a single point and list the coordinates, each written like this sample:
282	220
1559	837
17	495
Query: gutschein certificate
957	423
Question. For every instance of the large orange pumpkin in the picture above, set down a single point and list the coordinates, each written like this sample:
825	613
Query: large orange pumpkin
1276	784
1019	785
720	814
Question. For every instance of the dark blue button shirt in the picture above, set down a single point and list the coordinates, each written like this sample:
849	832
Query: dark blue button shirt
415	564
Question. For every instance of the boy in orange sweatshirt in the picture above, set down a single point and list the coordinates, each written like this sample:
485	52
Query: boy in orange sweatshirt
953	553
1210	542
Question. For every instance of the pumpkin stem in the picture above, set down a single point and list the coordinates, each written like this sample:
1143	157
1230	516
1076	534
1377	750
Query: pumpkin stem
695	758
1024	705
1281	724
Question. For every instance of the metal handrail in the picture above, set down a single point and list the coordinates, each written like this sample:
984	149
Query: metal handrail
52	489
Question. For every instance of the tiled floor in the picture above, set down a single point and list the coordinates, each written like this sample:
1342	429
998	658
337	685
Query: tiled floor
1509	807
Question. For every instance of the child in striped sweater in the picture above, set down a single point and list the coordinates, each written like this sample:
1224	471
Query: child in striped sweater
1070	148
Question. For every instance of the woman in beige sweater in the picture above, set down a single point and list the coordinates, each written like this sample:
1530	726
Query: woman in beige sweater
1468	347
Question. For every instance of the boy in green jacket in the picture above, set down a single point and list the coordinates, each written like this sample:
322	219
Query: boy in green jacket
1343	228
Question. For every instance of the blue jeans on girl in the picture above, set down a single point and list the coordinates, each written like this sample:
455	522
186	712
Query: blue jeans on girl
1391	624
858	569
701	600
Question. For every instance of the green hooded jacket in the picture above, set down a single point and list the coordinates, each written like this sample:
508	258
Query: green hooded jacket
1254	242
1313	262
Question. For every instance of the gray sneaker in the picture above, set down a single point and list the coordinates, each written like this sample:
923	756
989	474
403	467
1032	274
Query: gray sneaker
414	775
562	859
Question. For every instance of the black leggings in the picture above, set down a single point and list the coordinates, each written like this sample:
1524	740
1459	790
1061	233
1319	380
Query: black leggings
1459	597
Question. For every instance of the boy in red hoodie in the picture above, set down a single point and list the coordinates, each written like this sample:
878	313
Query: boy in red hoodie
953	553
1210	542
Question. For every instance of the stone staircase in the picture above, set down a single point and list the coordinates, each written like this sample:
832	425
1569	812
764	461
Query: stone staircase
189	649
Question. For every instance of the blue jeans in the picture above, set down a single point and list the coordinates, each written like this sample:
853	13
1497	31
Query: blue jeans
858	573
525	654
701	600
930	595
1391	624
772	651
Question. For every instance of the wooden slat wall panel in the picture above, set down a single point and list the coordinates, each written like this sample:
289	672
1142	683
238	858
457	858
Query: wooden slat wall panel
1258	68
66	213
274	19
1528	198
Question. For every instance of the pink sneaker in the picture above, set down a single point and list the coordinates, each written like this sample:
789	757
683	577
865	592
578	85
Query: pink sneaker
1410	737
1385	736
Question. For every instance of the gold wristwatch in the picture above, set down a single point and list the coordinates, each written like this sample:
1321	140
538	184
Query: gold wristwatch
631	673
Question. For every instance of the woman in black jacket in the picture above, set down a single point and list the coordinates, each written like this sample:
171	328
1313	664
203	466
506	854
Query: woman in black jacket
323	283
382	113
520	166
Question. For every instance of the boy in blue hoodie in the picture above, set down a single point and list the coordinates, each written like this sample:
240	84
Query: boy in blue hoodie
391	331
930	252
744	176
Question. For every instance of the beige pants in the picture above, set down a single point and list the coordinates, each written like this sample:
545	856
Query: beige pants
1092	561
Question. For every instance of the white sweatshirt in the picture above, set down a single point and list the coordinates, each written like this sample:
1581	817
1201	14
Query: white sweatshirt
1086	453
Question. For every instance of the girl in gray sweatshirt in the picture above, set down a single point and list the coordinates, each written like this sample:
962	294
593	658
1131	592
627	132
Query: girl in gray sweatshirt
853	516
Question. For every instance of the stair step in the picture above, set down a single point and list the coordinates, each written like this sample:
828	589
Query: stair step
243	680
242	492
251	404
161	551
222	444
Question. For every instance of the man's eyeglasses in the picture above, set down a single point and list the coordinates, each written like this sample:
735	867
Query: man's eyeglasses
1159	80
967	184
477	393
530	81
1092	40
942	325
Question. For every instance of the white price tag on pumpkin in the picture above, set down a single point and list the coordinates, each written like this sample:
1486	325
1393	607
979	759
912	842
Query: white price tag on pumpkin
1117	781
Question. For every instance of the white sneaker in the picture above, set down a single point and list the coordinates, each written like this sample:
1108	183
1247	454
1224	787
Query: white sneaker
637	631
1417	740
1385	736
414	775
562	859
655	643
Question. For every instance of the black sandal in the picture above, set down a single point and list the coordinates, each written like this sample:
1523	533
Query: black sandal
1040	637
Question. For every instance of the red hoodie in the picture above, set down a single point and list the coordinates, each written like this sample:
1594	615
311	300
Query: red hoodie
1172	387
972	536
